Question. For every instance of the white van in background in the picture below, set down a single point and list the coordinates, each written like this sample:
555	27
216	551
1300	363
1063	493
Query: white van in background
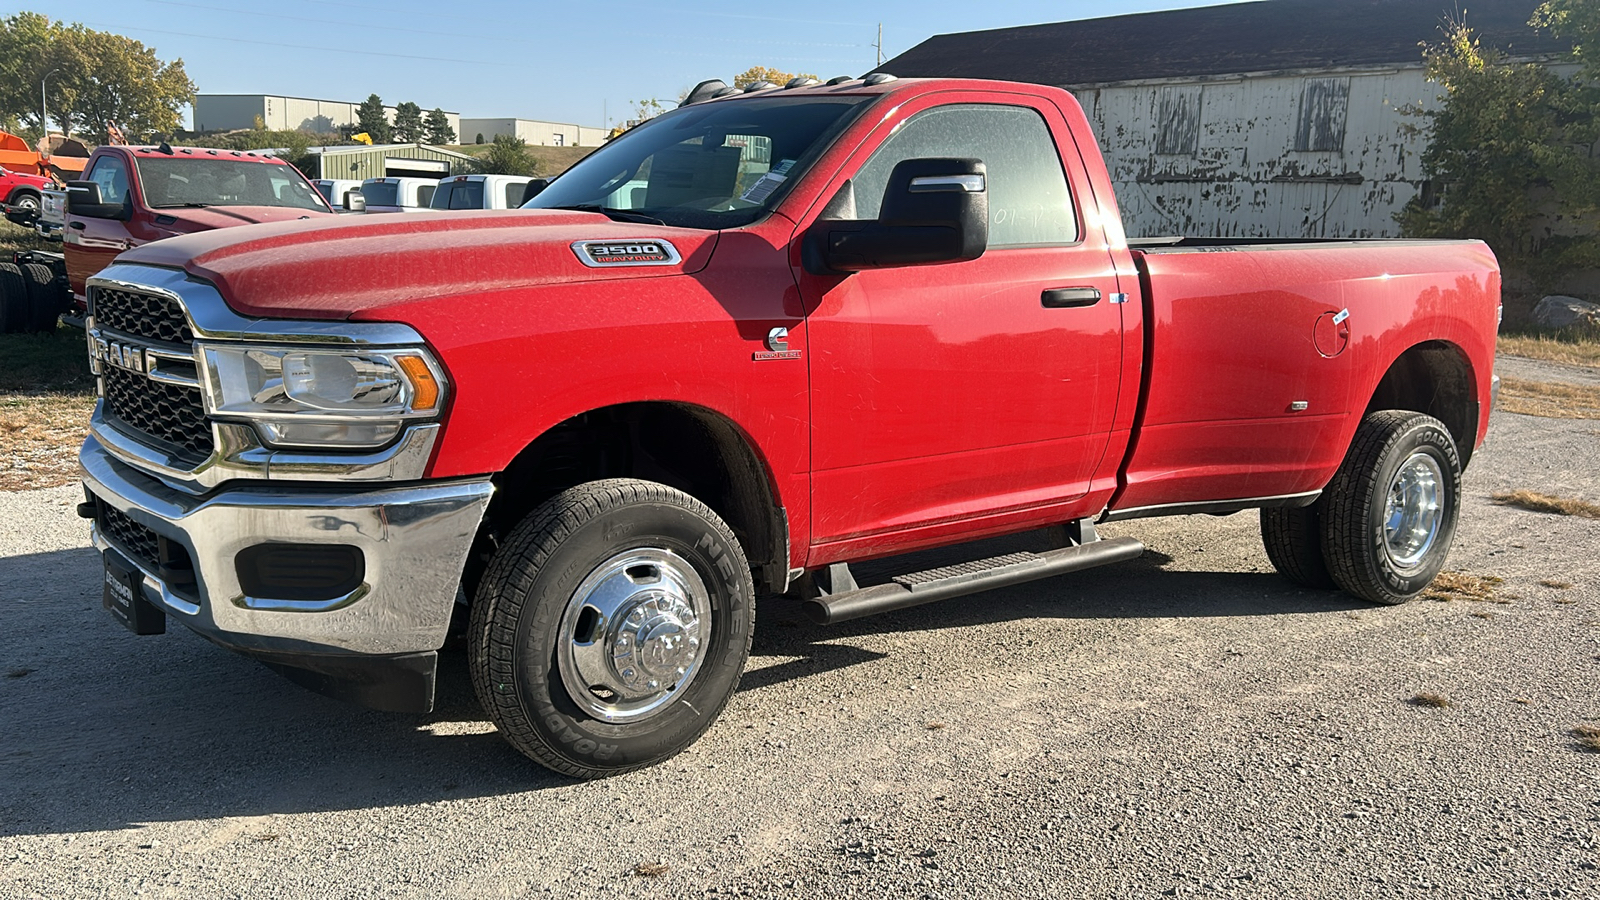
337	192
480	192
390	195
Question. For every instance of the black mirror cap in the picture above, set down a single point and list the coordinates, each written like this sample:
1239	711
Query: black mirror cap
933	211
534	188
83	199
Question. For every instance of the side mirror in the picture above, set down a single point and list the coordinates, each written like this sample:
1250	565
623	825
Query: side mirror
534	188
354	202
934	211
83	199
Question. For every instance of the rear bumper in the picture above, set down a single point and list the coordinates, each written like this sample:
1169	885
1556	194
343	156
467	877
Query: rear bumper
413	543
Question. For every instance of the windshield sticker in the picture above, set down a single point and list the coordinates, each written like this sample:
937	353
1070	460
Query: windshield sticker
596	254
763	188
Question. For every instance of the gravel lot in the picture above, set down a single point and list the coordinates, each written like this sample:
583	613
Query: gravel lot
1184	724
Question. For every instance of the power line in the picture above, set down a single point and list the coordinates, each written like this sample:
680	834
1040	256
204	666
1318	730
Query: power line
336	50
436	33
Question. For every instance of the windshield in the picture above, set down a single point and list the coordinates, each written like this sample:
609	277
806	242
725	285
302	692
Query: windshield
172	183
720	165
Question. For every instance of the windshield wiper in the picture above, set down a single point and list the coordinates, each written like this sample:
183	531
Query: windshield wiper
180	206
611	212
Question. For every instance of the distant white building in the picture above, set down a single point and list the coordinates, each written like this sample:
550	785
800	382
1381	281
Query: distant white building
539	134
226	112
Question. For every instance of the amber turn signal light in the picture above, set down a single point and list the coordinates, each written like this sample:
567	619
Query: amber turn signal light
424	388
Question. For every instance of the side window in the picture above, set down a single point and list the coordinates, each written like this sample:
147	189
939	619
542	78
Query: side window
112	175
514	192
1028	198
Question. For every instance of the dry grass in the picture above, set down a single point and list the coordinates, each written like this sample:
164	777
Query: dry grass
1546	503
1552	583
935	726
651	869
1430	700
1550	349
1588	737
15	237
1549	400
39	439
1461	586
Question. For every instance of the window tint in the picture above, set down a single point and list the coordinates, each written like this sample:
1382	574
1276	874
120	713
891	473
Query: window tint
381	193
1028	198
112	176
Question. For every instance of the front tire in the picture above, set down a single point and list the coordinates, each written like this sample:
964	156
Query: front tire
611	627
1392	507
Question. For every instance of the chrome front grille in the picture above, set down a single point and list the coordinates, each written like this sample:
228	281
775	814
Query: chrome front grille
141	315
144	347
172	414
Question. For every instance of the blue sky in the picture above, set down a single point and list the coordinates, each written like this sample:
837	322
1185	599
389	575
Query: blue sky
569	62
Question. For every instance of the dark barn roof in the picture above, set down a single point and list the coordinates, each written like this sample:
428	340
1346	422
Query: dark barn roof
1270	36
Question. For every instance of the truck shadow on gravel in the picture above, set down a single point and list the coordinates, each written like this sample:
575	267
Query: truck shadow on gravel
105	730
1133	590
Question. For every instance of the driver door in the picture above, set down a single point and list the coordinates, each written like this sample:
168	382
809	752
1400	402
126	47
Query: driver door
948	392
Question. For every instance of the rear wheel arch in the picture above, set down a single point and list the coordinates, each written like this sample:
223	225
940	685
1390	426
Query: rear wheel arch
693	449
1435	378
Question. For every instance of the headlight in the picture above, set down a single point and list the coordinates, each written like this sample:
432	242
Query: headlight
320	398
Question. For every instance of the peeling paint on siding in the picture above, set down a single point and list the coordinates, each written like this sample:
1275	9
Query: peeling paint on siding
1244	176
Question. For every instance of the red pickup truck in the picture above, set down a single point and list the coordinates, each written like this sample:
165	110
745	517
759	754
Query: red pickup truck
131	196
725	357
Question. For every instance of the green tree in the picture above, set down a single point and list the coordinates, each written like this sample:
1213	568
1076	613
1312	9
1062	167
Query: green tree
26	40
370	118
508	155
94	78
438	129
408	123
1510	150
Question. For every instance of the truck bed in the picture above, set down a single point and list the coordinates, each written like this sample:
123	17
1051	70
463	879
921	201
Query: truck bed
1254	381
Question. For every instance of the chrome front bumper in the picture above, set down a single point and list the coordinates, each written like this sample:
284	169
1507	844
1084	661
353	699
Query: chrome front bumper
414	539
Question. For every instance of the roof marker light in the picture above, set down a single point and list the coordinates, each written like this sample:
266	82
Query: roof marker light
841	79
705	90
802	81
754	86
879	78
727	91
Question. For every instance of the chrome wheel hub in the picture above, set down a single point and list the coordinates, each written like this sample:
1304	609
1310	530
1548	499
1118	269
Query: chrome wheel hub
1414	509
633	635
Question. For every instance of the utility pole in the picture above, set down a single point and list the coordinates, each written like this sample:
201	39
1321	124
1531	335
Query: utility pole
879	44
44	112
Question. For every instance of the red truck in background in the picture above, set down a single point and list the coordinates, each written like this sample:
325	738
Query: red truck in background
726	356
131	196
22	190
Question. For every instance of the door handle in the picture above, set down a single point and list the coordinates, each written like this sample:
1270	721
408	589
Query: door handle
1063	298
75	224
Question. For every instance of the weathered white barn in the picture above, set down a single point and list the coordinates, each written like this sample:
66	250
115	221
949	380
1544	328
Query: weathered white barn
1282	118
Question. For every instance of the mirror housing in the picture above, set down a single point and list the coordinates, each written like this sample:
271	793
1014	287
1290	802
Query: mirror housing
534	188
354	201
83	199
934	211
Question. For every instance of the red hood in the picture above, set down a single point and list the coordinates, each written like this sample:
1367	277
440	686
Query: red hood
211	217
333	267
